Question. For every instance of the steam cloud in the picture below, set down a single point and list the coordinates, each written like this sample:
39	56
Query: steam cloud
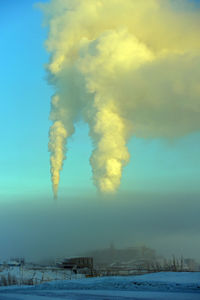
126	67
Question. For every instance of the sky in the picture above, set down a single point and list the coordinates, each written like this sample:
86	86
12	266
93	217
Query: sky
159	191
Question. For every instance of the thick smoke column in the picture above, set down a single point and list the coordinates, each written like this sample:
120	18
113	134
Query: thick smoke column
57	139
126	68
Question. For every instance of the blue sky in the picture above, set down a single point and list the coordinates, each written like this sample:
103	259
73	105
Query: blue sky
156	165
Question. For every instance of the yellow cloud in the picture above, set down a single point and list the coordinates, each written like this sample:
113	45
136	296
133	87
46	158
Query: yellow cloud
127	68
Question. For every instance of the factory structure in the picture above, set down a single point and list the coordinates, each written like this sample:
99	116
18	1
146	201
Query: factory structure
76	263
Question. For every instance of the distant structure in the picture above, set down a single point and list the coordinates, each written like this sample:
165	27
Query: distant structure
16	262
75	263
131	254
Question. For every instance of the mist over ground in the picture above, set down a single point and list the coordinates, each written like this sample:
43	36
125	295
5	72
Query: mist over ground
45	229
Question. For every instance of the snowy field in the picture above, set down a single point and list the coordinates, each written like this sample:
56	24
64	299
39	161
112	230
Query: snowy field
164	285
25	275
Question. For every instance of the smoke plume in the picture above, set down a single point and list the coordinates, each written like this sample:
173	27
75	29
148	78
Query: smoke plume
126	68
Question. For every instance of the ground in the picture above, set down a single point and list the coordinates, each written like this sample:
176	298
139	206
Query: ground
161	286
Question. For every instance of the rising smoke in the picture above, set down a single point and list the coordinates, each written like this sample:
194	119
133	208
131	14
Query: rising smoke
126	67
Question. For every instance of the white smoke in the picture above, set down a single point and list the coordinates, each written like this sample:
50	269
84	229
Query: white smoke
127	68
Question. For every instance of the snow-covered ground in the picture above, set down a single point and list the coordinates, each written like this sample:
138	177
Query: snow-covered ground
31	275
162	286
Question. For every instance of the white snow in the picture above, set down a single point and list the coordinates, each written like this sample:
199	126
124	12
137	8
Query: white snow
37	276
162	286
